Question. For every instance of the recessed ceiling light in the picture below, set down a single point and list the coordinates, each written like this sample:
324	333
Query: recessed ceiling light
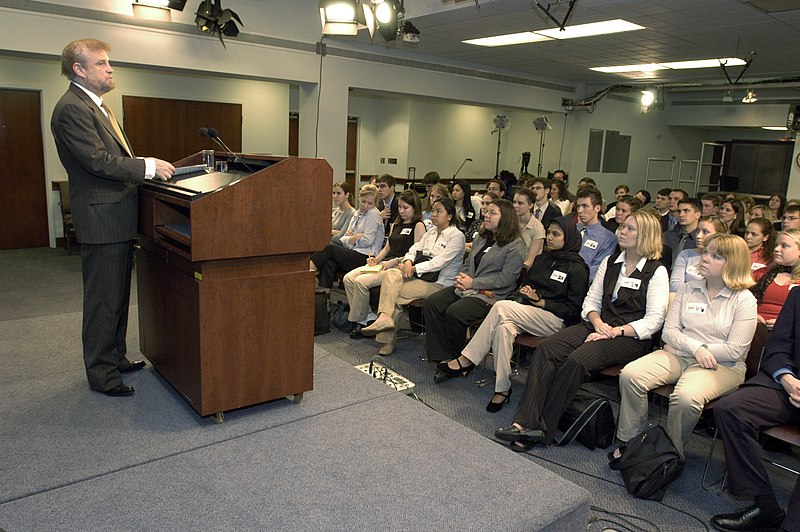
594	28
649	67
511	38
775	128
570	32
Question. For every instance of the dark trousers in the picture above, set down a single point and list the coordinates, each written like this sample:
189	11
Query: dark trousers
106	297
447	317
560	365
335	258
740	418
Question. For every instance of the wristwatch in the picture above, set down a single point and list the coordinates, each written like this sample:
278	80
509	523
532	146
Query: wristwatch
622	330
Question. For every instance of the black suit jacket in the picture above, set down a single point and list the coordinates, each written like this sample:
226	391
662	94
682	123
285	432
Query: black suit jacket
103	177
550	213
387	224
783	343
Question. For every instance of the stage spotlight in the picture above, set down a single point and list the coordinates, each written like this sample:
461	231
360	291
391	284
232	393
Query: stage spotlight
386	13
346	17
212	19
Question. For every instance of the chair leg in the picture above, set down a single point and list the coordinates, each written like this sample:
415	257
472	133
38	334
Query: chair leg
724	478
482	381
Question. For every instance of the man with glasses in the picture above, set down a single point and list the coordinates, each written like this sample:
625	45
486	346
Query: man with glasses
791	218
543	210
386	202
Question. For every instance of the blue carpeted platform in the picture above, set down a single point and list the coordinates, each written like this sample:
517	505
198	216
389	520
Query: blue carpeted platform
352	455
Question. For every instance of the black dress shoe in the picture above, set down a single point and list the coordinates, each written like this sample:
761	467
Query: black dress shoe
750	518
120	391
512	433
130	367
355	333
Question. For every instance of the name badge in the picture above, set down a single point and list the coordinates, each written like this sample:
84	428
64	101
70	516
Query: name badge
470	214
487	249
696	308
405	231
757	266
591	244
558	276
693	270
442	244
633	284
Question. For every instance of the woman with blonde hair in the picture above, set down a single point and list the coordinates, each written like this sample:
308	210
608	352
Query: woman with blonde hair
625	307
406	231
774	284
363	238
438	191
710	326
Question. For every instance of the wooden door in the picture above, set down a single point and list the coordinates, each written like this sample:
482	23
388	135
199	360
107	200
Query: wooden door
351	159
23	199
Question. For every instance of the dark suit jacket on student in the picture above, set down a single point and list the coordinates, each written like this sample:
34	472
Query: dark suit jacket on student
550	213
783	346
387	224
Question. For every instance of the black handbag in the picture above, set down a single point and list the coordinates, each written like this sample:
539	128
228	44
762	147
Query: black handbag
430	277
589	420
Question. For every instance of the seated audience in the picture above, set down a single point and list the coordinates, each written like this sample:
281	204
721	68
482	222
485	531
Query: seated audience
387	203
624	308
472	230
598	242
530	228
430	179
662	201
548	300
467	205
732	211
437	192
777	202
710	203
563	177
624	206
643	196
490	273
543	210
496	186
687	263
774	283
363	238
760	239
709	326
670	220
748	203
770	398
429	265
762	211
559	195
620	191
683	235
407	230
342	211
790	218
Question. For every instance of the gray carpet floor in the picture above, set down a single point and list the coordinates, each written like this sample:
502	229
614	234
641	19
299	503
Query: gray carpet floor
48	413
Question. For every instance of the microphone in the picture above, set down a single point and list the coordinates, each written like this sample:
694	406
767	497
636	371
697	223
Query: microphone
460	167
213	134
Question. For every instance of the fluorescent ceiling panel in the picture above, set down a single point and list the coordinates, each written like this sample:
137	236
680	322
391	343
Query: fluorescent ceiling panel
675	65
506	40
649	67
774	128
594	28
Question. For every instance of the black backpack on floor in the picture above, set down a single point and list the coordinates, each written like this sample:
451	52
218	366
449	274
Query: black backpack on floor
649	464
588	419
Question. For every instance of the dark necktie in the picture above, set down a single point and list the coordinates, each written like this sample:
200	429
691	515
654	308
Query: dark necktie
538	214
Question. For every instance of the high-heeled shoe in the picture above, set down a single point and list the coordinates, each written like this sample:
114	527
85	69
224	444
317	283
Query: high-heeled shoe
496	407
444	371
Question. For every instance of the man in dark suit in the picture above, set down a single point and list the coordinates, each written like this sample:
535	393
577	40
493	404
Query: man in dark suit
103	176
387	203
543	210
770	398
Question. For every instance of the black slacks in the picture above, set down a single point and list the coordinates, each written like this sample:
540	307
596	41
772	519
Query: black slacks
740	418
106	297
334	258
560	365
447	317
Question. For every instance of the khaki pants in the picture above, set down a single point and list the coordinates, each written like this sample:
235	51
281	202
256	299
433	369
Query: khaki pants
694	387
504	322
357	285
397	292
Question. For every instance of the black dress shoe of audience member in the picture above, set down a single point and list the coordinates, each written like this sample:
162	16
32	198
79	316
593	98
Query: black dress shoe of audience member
512	433
355	333
126	366
750	518
120	391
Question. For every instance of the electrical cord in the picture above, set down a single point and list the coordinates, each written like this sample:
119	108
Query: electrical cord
319	96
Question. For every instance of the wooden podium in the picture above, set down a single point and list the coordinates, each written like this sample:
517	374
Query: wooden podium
226	298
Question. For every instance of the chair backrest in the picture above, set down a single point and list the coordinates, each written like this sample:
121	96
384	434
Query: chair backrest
63	187
753	360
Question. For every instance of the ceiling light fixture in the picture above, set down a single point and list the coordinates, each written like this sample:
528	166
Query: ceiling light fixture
345	17
213	20
775	128
675	65
750	97
648	99
569	32
152	10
